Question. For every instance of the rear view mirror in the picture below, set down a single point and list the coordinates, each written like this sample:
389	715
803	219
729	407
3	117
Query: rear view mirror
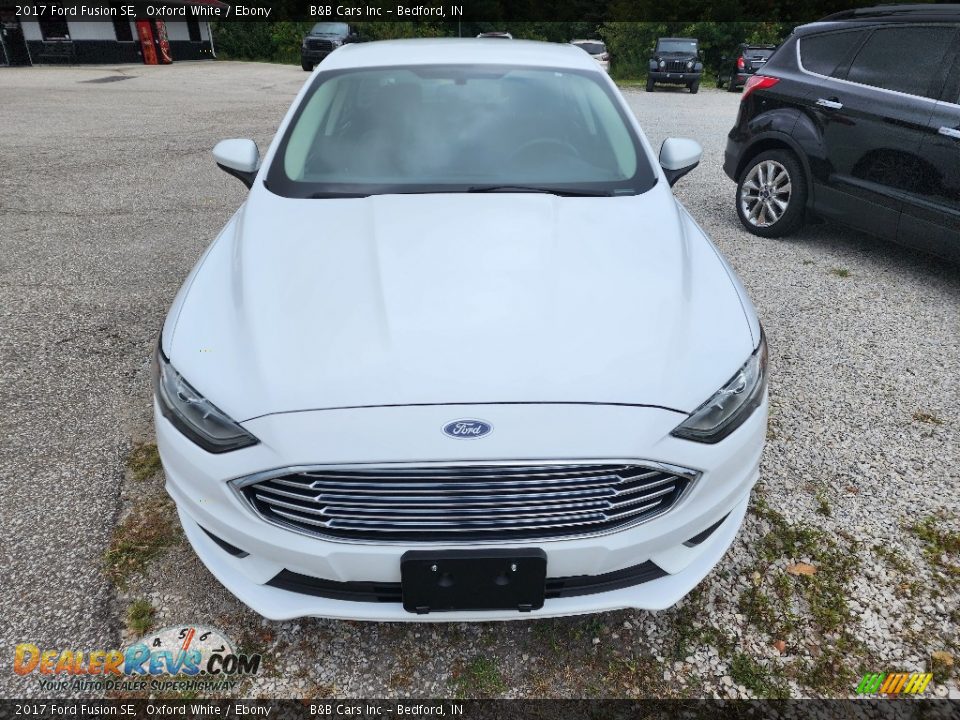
678	156
239	158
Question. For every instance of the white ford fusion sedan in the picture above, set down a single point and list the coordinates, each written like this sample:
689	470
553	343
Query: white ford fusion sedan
460	355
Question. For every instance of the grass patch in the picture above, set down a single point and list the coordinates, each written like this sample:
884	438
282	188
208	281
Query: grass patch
802	610
140	616
938	542
144	461
142	535
757	679
926	417
893	559
840	272
941	547
479	678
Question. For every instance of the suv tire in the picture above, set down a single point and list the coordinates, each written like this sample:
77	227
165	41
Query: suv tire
649	85
694	87
719	82
732	87
772	194
307	66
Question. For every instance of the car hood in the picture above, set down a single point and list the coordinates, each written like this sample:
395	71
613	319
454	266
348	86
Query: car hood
455	298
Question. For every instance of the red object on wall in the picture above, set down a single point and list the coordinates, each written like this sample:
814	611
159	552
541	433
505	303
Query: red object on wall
163	45
145	31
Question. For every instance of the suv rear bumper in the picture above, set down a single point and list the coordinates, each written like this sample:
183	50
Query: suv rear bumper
674	78
731	157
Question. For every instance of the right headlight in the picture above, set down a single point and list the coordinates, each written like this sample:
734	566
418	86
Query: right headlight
192	414
732	404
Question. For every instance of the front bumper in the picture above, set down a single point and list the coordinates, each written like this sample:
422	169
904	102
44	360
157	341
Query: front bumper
314	56
197	481
674	78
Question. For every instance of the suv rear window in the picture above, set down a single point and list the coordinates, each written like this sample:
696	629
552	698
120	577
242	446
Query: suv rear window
594	48
880	62
828	54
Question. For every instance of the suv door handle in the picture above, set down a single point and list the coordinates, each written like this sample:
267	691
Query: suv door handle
950	132
830	104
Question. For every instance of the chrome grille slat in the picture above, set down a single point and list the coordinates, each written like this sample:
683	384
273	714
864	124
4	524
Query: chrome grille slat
459	503
468	475
453	500
464	487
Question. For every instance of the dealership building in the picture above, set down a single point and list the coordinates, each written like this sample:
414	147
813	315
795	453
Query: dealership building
115	39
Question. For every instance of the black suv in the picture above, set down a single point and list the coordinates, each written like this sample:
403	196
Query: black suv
856	118
675	61
323	39
745	62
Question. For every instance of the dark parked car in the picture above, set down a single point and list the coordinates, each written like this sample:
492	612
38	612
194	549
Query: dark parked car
675	61
748	59
323	39
856	118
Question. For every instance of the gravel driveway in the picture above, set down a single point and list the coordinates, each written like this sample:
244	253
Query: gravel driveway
849	561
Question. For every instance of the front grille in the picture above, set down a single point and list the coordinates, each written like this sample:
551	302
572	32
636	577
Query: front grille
319	44
466	503
676	66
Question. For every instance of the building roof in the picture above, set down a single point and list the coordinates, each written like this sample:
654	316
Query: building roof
459	51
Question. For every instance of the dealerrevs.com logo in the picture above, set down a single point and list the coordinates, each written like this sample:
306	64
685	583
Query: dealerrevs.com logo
894	683
190	657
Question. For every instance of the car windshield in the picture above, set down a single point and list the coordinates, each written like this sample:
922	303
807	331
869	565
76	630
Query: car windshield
758	52
329	28
688	47
467	128
594	48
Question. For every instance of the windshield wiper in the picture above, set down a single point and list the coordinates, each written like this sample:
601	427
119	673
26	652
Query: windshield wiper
534	189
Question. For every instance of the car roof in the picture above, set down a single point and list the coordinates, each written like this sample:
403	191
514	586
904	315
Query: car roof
882	15
673	38
458	51
582	40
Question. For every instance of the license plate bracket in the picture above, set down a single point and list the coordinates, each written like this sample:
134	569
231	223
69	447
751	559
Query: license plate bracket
450	580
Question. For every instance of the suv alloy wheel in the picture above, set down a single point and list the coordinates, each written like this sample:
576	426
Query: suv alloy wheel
772	194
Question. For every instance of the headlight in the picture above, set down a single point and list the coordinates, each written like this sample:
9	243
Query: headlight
663	63
732	404
689	64
194	415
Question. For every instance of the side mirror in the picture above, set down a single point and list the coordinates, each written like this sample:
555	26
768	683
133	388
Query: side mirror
678	156
239	158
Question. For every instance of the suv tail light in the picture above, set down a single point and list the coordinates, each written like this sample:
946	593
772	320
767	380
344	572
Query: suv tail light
757	82
740	63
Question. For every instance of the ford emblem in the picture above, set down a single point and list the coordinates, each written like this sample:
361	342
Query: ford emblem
467	429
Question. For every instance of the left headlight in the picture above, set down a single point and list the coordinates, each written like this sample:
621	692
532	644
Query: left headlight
194	415
732	404
690	65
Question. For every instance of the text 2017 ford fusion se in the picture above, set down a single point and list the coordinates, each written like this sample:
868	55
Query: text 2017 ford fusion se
460	355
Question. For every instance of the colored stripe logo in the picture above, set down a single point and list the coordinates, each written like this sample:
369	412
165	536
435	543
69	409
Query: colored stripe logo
894	683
